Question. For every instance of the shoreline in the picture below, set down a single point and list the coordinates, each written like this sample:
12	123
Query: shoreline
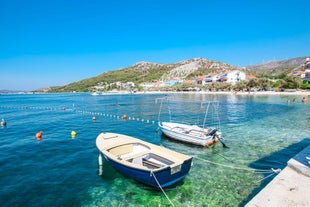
271	93
295	93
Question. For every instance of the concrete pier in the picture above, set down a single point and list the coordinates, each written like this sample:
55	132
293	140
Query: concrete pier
290	188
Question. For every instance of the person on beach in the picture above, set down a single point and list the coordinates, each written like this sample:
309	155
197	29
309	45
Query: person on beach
3	122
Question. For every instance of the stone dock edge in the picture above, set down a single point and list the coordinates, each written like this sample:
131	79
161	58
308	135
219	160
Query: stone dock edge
290	188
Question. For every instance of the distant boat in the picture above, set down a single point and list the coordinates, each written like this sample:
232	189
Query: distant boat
95	94
145	162
190	133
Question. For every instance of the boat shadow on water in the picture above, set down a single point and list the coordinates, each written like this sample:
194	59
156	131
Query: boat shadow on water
275	160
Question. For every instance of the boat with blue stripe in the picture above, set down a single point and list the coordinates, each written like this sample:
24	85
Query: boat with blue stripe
145	162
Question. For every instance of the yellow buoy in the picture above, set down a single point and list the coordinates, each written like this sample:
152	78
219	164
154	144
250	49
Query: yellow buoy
73	134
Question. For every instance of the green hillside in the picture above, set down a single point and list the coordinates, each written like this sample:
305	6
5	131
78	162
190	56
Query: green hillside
124	75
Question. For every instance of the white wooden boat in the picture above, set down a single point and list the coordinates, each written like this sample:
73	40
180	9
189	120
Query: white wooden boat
194	134
190	133
145	162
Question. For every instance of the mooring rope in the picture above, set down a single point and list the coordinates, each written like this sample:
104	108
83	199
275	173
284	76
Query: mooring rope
241	168
217	152
268	176
152	173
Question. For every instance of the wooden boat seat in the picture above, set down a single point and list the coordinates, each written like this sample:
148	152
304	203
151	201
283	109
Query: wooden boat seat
128	150
153	164
144	162
140	159
129	156
121	150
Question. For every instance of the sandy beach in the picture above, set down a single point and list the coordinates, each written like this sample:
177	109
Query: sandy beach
295	93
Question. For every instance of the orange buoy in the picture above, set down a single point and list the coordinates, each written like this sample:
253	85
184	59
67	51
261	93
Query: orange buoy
124	117
39	135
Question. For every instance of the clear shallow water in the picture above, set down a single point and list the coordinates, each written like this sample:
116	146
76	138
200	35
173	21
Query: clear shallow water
262	132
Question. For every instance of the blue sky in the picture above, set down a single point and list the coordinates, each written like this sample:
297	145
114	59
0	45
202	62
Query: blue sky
56	42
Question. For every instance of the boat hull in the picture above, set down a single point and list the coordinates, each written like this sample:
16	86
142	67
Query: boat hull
160	178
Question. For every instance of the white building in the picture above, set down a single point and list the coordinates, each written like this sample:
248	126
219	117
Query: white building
235	76
307	75
210	78
307	69
128	85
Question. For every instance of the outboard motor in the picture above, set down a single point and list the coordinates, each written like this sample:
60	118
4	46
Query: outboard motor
212	132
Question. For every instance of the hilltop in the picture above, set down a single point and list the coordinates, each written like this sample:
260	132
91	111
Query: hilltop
275	64
276	67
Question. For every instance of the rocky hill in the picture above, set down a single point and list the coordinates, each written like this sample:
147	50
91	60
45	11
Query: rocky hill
294	63
181	69
276	68
185	68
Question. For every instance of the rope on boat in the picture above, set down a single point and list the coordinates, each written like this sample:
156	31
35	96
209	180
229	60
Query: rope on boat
152	173
241	168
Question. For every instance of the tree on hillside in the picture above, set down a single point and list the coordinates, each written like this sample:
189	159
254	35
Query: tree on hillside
293	82
242	85
264	83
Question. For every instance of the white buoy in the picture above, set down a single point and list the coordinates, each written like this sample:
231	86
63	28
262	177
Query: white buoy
100	159
100	164
100	170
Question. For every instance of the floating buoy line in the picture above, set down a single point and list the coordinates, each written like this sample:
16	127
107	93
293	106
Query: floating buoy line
115	116
84	112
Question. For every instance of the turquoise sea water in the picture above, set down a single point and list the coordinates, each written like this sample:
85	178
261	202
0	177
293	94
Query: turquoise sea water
262	132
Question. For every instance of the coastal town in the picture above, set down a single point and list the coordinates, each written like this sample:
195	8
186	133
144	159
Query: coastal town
227	79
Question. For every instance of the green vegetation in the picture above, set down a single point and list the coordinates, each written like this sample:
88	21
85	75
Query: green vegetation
305	85
108	79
